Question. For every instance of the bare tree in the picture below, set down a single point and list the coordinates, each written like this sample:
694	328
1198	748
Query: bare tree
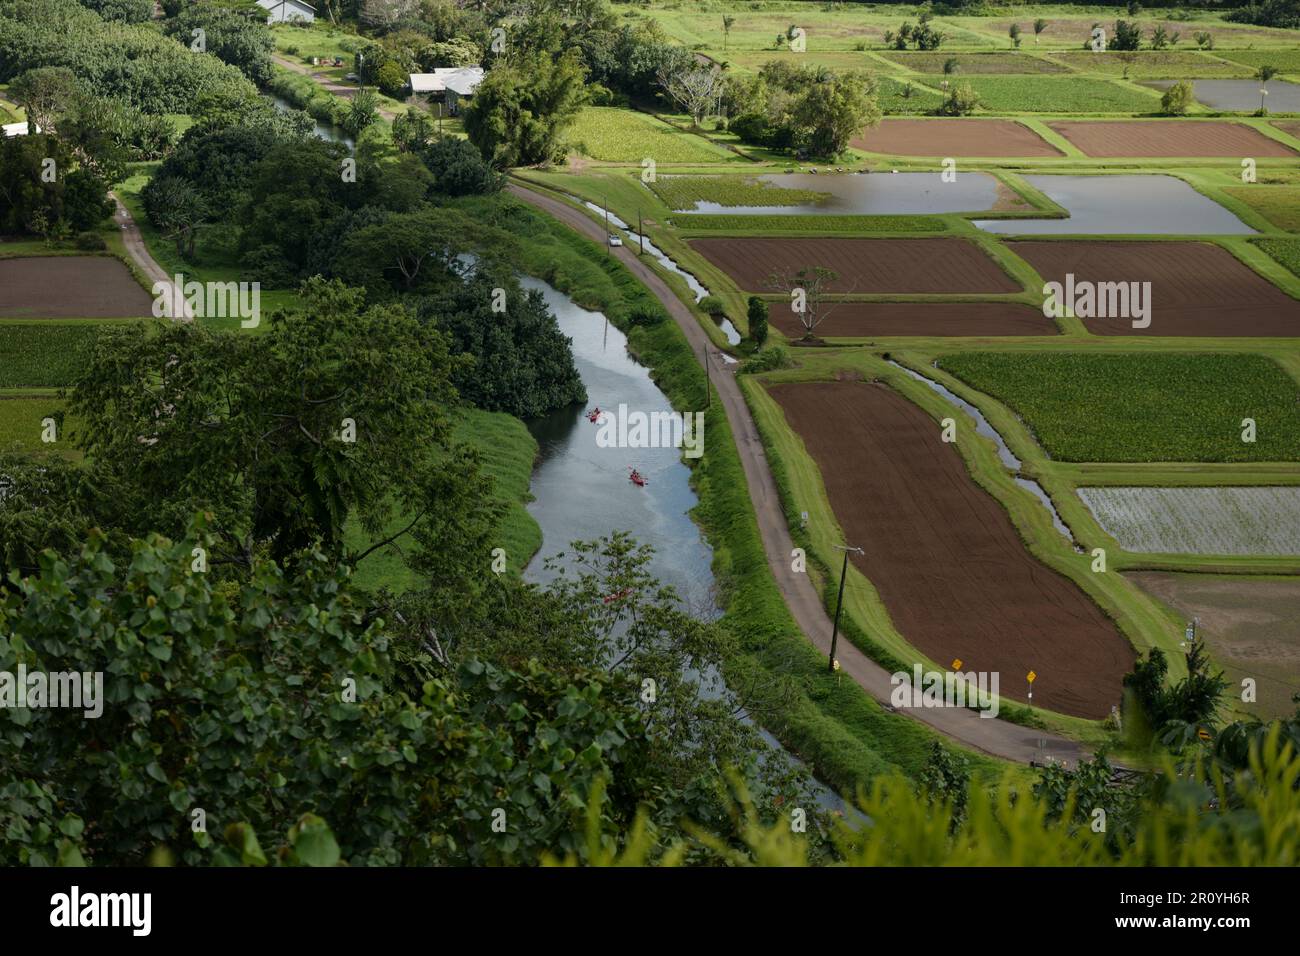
694	87
807	289
386	14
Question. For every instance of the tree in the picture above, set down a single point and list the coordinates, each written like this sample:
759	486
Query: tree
177	209
458	168
757	315
961	101
1264	74
522	110
694	88
259	710
950	67
1159	37
1039	26
45	94
362	110
412	129
231	36
806	289
1204	39
1014	33
1128	36
830	114
333	419
1177	99
522	363
728	22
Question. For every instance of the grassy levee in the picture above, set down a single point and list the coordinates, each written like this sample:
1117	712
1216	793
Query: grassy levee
827	720
507	451
1139	618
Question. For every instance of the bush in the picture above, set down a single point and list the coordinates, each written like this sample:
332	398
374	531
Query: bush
90	242
391	80
961	101
646	313
1177	98
766	361
757	315
712	305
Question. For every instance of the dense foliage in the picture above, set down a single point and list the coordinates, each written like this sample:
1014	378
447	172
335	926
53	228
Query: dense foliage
130	62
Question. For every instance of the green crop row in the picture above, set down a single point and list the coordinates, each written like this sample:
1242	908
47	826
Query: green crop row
1143	407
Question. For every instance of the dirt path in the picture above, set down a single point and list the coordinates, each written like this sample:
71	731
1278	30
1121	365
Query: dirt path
996	737
139	252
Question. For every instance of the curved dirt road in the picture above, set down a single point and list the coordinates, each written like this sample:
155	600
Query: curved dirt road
996	737
148	265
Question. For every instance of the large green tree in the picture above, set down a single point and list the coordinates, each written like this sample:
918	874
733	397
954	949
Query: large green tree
522	109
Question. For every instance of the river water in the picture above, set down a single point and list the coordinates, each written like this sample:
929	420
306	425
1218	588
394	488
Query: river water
582	491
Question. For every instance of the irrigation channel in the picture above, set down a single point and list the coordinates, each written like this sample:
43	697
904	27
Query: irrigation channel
982	427
582	491
325	131
643	242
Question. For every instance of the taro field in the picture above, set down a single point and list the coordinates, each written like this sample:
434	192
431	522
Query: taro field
1143	406
613	135
1223	520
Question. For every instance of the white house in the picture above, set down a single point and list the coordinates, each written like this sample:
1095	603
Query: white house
17	129
451	84
282	11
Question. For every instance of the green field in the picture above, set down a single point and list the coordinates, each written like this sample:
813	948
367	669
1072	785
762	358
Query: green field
1157	64
21	426
1280	205
1059	94
1143	407
45	353
777	223
1285	251
1284	61
976	63
619	136
683	192
904	96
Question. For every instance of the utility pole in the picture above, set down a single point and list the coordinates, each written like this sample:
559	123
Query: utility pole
839	602
605	200
708	384
640	233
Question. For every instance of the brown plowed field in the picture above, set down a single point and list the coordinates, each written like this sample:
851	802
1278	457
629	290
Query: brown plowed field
856	319
872	266
1139	138
953	137
1290	128
944	555
70	287
1196	288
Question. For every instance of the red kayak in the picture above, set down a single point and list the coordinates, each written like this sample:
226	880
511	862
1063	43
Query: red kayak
636	477
594	415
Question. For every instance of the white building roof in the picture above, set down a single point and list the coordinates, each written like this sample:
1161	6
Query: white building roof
17	129
459	79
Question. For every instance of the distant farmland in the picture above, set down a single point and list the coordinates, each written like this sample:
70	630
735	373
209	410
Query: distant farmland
1262	521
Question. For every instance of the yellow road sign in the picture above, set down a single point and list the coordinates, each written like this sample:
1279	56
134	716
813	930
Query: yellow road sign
956	663
1030	676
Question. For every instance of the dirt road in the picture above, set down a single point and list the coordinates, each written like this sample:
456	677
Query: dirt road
996	737
139	252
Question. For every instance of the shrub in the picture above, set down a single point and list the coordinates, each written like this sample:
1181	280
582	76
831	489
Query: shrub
961	101
712	305
1177	98
646	313
766	361
757	314
90	241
